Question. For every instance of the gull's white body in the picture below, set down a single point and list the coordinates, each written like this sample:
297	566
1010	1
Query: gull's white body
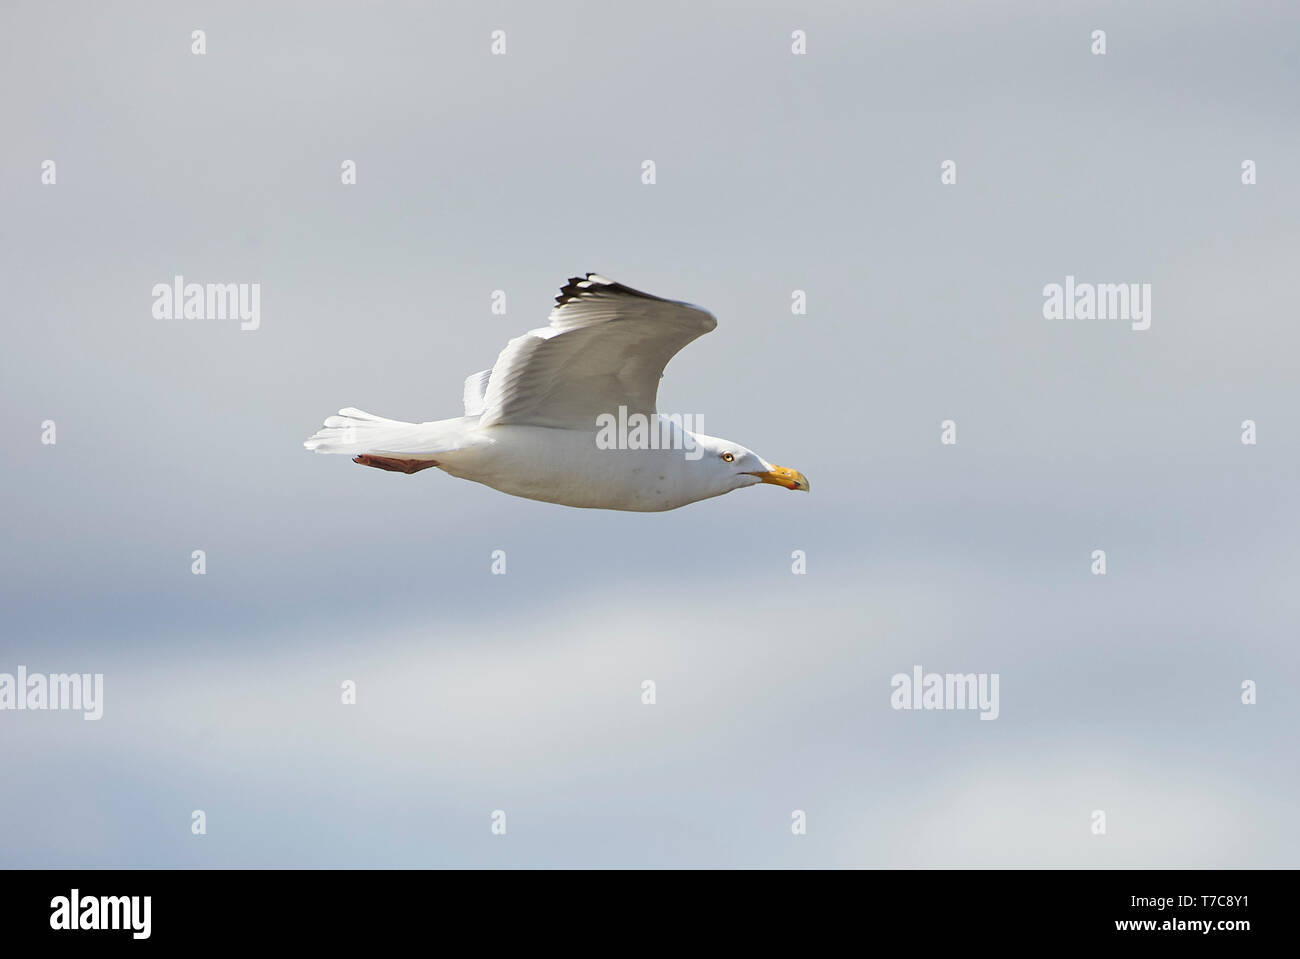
530	427
568	467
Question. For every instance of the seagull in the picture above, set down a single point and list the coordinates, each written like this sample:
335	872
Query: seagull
548	421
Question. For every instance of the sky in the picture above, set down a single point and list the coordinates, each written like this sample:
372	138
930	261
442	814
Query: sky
500	719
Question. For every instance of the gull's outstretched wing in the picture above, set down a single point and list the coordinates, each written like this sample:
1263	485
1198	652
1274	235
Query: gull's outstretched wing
606	347
475	392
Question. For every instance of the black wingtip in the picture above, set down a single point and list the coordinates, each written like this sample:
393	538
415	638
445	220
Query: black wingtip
572	291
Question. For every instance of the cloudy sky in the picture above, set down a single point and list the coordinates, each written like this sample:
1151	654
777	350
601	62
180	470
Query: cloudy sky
775	172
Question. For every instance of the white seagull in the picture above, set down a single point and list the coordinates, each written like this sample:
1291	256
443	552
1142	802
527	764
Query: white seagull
539	423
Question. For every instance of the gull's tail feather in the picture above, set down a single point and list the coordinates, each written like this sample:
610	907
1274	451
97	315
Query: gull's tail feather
355	431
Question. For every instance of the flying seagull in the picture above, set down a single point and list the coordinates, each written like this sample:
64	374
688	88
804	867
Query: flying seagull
542	422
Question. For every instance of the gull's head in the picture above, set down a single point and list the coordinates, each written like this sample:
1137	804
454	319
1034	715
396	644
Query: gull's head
732	466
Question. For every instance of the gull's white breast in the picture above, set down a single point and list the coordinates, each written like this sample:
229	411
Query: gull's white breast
568	467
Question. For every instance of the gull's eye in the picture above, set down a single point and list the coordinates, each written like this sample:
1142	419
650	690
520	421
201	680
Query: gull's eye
728	457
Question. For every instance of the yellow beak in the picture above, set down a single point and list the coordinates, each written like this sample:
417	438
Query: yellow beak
783	476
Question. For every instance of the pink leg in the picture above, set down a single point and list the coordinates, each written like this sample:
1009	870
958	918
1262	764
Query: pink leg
393	464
